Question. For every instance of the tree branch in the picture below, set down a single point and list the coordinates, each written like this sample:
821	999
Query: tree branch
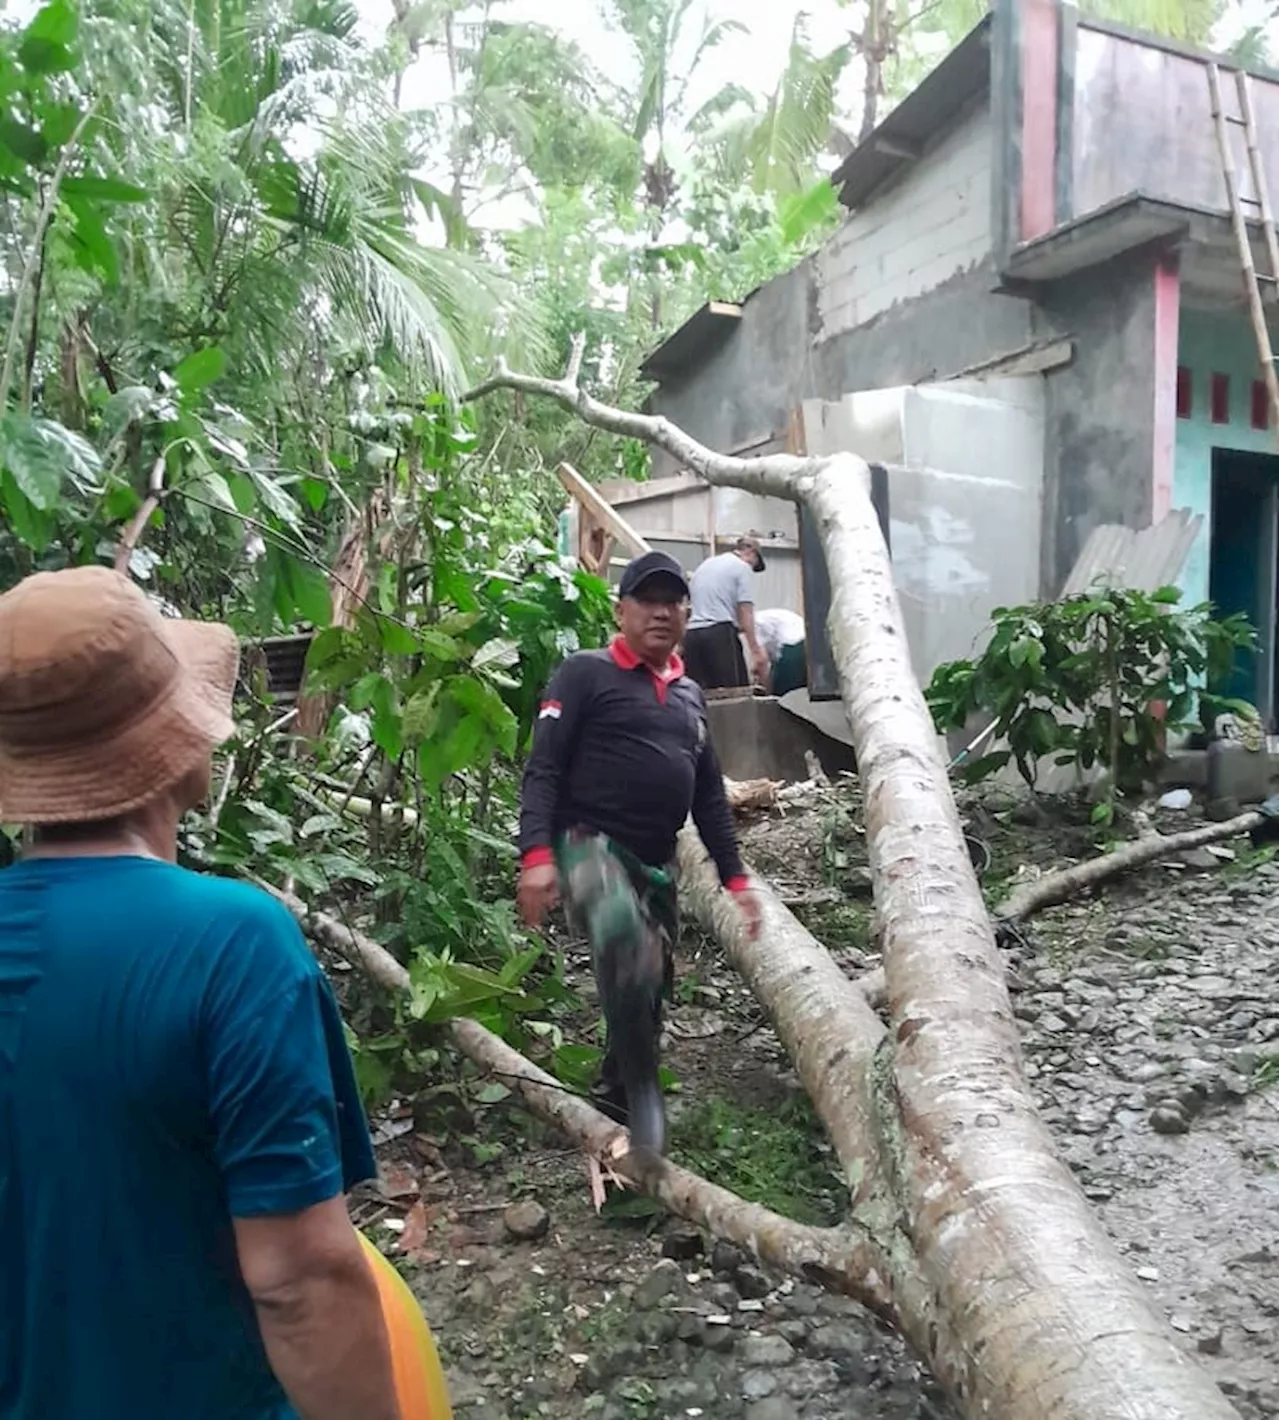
838	1258
1057	887
574	368
33	337
43	218
155	491
777	475
826	1024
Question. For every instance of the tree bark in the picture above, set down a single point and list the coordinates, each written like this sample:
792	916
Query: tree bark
1024	1308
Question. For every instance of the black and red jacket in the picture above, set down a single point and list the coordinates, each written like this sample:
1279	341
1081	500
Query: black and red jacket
624	750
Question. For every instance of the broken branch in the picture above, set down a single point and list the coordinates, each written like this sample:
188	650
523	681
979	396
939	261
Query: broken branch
574	367
773	474
1057	887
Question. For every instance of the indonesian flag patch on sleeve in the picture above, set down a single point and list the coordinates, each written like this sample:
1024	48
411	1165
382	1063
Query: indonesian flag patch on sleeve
550	710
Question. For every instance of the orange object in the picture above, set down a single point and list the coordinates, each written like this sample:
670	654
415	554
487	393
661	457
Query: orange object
420	1386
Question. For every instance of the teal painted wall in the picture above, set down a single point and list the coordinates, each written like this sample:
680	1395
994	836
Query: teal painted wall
1207	345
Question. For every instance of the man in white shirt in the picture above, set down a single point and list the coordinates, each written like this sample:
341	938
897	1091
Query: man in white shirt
722	607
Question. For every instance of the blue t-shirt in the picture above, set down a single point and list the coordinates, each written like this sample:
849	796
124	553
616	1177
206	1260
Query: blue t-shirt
171	1056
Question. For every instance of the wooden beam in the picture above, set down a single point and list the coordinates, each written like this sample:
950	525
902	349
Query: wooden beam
600	509
1030	360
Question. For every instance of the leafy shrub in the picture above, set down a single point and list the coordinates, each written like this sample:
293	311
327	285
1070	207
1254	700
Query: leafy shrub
1079	680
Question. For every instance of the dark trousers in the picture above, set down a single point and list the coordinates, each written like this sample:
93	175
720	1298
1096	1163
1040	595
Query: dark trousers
713	656
790	670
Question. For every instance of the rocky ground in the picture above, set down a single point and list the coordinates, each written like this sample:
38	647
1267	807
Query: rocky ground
1150	1022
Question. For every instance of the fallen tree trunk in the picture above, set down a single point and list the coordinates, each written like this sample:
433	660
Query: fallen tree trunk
1058	887
1034	1314
839	1258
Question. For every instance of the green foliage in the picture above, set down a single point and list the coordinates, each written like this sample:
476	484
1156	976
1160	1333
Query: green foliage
1076	680
245	284
543	612
773	1156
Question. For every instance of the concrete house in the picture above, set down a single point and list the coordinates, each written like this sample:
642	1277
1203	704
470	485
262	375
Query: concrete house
1033	316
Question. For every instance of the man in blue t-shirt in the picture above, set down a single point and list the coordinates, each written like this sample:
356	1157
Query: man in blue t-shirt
178	1113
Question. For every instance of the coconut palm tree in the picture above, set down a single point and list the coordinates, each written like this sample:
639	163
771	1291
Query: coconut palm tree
281	189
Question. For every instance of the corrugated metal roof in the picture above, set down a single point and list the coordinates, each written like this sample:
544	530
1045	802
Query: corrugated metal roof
905	133
1141	561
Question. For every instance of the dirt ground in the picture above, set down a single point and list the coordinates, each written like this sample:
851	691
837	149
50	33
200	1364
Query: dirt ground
1150	1021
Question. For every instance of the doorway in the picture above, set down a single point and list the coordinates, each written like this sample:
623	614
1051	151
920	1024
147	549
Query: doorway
1242	568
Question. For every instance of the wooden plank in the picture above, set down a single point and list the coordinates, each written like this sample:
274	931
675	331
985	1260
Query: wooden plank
756	443
672	486
600	509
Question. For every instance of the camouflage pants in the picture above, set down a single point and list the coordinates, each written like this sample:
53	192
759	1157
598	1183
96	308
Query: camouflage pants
627	911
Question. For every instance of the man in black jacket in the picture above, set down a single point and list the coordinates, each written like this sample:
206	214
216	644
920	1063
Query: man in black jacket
621	756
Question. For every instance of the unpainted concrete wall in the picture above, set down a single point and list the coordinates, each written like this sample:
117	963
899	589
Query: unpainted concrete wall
795	341
932	224
964	461
1100	410
1141	123
744	388
958	324
755	738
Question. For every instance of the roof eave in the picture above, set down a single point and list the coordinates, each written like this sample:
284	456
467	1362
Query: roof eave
904	134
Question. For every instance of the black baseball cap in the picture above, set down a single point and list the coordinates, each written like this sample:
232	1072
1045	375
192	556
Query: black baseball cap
650	564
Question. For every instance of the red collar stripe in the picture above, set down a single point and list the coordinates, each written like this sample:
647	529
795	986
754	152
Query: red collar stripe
624	656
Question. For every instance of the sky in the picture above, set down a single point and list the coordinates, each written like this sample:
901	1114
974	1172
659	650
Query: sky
752	60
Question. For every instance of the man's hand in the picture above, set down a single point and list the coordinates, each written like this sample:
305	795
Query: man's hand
537	893
749	906
760	666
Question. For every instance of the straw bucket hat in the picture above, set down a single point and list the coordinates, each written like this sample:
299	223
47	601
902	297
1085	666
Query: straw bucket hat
104	703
